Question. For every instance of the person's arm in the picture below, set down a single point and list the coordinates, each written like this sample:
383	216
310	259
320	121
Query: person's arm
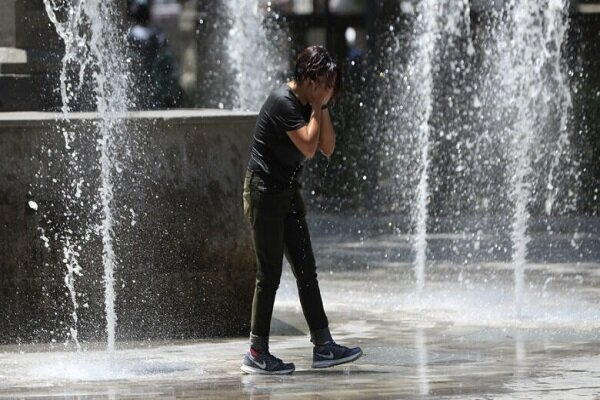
327	136
306	139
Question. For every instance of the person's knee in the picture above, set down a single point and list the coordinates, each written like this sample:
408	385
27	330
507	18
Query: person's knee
266	283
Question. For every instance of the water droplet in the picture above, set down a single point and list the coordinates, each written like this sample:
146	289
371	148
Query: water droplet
32	205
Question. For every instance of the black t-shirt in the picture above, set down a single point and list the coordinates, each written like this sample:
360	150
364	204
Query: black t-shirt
273	154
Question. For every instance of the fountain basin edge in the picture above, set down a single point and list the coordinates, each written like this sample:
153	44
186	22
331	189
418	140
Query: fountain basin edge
184	260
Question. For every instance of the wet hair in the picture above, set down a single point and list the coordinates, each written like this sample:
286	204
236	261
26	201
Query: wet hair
315	63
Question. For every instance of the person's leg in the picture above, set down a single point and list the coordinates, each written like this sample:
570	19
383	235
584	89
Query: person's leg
298	251
268	244
265	210
265	213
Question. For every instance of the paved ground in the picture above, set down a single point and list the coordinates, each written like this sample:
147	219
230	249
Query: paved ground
459	339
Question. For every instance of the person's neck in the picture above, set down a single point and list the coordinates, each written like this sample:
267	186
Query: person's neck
300	90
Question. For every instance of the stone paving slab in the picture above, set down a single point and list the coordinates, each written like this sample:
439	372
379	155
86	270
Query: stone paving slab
407	355
458	339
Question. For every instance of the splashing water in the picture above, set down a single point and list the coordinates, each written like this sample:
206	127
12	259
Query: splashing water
73	269
558	94
529	64
111	97
92	46
427	32
519	71
257	49
74	48
416	97
480	116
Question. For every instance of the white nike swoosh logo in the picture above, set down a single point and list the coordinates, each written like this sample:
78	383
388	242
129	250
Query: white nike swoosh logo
327	356
262	365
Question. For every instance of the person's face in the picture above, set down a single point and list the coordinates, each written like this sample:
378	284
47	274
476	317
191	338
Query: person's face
321	90
323	86
325	82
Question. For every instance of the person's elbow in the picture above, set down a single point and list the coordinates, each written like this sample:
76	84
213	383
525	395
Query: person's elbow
327	146
327	151
309	148
309	151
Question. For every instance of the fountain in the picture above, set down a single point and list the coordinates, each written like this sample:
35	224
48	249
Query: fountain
539	100
259	63
489	115
111	89
94	52
93	61
471	245
111	203
249	50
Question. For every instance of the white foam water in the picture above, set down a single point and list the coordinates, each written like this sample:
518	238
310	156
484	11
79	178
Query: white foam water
257	49
427	33
93	47
530	41
75	49
515	97
433	19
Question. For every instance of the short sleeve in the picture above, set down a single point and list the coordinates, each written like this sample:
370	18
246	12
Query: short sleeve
288	115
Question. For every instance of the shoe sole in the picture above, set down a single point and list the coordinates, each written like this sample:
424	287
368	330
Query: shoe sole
331	363
257	371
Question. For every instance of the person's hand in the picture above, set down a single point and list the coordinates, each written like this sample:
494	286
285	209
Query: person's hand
320	94
328	96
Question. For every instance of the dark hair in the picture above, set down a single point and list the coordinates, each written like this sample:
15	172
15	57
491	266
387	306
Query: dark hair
314	62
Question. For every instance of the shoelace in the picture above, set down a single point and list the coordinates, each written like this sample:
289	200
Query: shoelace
334	345
273	359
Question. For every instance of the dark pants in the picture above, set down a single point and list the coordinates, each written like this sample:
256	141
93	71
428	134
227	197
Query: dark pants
277	217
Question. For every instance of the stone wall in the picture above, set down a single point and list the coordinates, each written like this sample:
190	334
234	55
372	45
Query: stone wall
184	260
30	52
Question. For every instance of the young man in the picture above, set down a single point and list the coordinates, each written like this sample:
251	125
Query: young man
292	124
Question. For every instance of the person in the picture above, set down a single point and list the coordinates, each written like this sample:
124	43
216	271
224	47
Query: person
292	124
154	71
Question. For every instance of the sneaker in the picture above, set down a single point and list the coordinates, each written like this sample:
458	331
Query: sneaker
266	364
334	354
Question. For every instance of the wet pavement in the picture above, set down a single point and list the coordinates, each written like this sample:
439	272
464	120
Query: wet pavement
461	338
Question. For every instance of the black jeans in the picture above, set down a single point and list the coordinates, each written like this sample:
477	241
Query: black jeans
278	220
